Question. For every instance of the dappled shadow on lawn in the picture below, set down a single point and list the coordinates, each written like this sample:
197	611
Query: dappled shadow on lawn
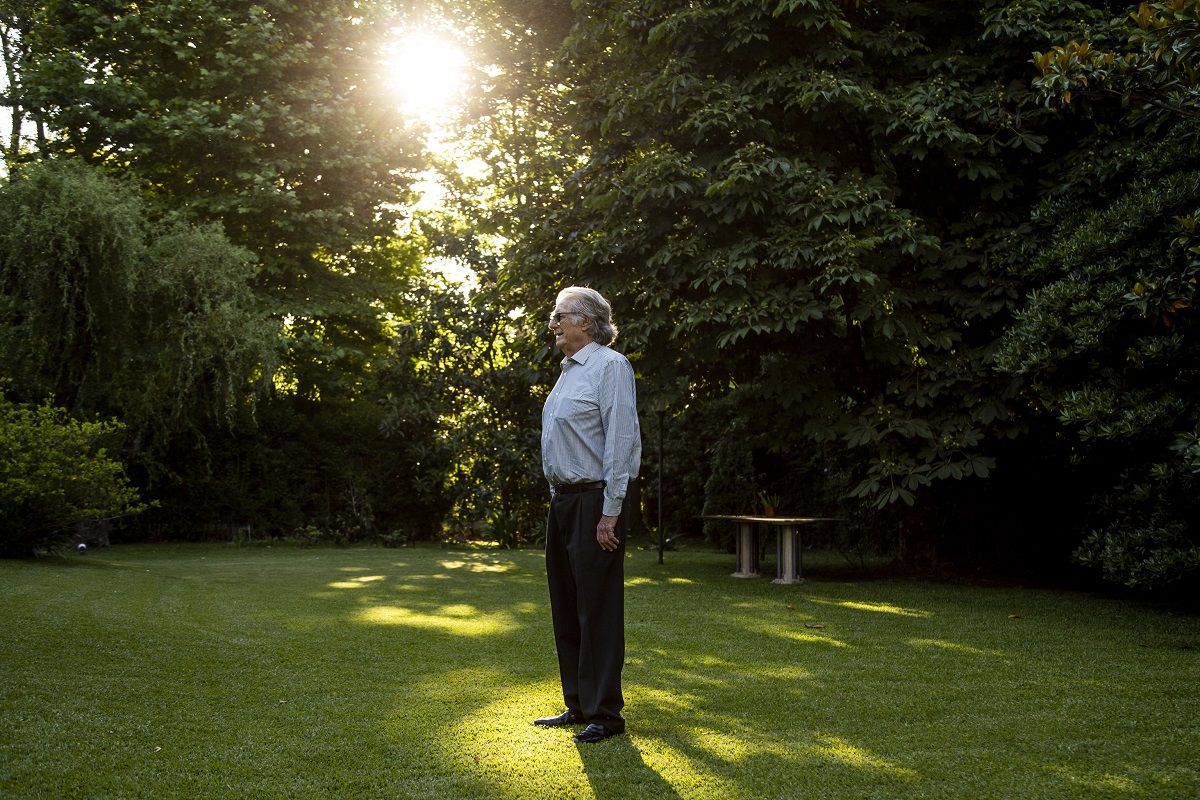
104	559
748	689
465	594
417	673
615	768
478	726
893	687
718	727
717	684
881	689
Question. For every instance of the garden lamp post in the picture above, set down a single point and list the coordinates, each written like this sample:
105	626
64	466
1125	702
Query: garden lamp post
662	413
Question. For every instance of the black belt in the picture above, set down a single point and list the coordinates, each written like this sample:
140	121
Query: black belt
573	488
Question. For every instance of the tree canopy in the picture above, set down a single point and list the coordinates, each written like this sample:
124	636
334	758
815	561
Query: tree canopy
925	264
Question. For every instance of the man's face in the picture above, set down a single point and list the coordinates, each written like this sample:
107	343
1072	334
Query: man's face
570	330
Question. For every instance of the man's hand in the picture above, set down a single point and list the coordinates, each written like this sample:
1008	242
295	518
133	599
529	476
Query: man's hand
606	533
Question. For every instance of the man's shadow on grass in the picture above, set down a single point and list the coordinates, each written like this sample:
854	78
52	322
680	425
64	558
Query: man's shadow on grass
615	768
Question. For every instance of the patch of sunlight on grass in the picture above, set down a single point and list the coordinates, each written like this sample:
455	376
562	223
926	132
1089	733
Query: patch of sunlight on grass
461	620
639	581
680	580
805	637
1100	781
721	666
675	699
723	745
788	673
709	660
730	747
355	583
492	567
955	647
878	608
839	749
475	566
681	674
1120	783
459	610
498	740
684	774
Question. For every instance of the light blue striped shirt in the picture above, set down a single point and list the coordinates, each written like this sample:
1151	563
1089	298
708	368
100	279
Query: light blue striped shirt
590	428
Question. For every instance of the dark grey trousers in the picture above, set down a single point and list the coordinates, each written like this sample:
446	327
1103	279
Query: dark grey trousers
587	605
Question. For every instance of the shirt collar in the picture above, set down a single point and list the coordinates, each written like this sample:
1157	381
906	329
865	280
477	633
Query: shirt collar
582	354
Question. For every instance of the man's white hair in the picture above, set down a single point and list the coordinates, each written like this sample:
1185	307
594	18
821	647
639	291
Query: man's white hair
585	302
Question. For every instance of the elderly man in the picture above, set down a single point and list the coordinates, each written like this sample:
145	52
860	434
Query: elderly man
591	450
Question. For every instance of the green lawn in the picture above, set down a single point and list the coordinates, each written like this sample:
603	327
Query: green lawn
214	671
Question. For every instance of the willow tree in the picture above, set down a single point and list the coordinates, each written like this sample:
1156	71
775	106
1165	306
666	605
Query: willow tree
271	118
107	310
275	120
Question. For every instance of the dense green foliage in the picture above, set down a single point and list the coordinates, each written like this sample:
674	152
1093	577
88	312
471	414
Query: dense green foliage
817	221
927	265
55	473
491	352
109	311
269	117
771	191
1109	344
1107	337
491	415
1152	72
275	121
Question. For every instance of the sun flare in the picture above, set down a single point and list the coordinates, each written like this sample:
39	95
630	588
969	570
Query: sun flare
427	72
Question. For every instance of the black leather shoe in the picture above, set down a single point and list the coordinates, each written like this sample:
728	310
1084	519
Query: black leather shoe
568	717
594	732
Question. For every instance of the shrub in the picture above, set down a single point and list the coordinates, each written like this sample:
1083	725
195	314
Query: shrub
55	473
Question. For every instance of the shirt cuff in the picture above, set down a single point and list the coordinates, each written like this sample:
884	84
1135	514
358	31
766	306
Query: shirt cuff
612	506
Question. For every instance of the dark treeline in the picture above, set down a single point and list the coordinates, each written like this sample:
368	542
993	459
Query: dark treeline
927	265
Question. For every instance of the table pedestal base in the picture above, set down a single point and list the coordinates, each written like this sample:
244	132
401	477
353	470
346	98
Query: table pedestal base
789	548
788	556
747	552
